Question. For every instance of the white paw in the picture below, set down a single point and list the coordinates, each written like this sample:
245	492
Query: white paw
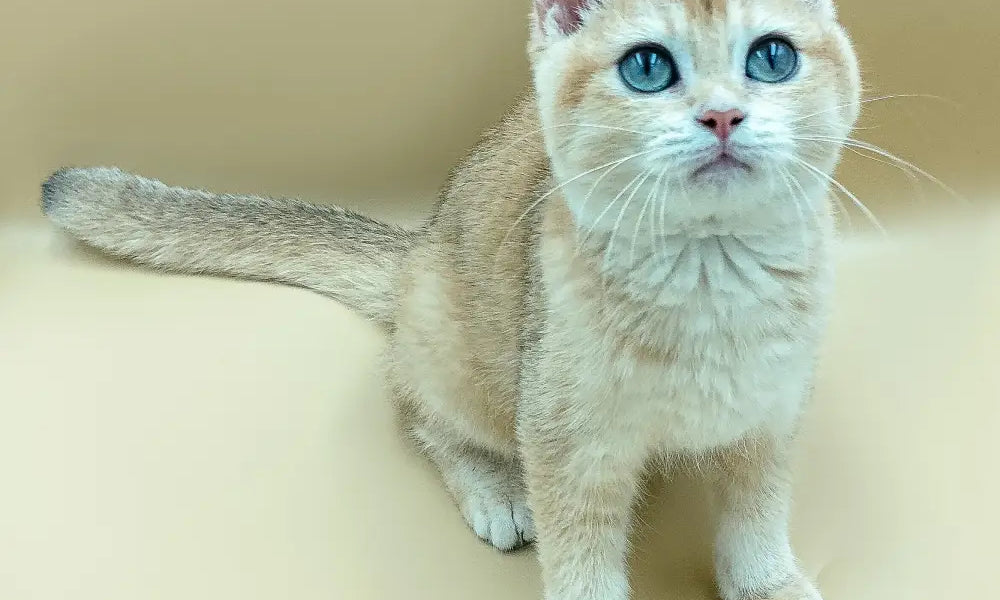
499	519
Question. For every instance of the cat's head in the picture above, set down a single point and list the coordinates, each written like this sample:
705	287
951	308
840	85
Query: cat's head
711	99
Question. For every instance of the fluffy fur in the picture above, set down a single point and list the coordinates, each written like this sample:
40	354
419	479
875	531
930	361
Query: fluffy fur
582	299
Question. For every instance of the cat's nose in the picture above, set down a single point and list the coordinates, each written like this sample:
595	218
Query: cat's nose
722	122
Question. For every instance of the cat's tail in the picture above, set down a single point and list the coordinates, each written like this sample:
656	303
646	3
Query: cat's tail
331	250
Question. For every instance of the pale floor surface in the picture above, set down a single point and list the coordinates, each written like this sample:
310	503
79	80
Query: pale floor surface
203	439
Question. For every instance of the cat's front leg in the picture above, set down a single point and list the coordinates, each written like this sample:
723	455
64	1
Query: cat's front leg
754	559
582	479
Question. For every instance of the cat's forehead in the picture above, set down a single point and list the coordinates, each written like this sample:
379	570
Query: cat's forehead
705	10
693	17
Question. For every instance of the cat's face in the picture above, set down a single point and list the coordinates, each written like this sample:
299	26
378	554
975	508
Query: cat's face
712	99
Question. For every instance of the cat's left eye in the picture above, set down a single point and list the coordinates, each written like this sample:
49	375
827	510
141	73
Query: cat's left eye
648	69
772	60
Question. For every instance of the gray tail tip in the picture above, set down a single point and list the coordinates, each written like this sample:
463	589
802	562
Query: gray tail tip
55	189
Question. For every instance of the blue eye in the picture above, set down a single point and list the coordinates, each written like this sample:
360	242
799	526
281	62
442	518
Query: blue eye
648	70
772	60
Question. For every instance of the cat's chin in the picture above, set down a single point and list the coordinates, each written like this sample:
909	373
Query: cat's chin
723	168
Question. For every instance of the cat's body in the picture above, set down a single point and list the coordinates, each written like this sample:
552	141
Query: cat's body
486	264
571	311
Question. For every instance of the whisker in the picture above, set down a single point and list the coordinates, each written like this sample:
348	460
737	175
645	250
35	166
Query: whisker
842	210
861	205
593	225
638	223
621	214
656	193
804	195
524	137
876	99
914	180
663	219
685	192
597	182
785	177
855	145
612	164
801	198
613	128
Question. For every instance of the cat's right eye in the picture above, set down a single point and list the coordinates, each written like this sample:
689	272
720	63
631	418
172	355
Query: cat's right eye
648	69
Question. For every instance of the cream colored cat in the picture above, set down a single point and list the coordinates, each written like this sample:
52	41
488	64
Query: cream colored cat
633	264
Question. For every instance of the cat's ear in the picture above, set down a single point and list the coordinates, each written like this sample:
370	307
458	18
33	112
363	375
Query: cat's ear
560	17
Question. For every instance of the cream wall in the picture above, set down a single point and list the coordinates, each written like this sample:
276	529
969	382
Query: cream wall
357	100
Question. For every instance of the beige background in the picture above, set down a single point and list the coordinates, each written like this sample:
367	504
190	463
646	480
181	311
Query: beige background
358	100
173	437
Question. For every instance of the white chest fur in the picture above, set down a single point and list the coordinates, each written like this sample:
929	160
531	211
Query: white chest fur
690	342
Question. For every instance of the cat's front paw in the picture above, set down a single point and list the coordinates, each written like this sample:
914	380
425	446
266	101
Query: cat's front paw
499	520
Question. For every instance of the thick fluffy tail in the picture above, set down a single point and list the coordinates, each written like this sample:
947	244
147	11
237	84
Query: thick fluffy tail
331	250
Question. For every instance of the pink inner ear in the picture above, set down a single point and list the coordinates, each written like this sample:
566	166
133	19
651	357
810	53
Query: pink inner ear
567	12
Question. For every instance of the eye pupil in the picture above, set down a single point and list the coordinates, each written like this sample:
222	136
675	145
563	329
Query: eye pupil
648	70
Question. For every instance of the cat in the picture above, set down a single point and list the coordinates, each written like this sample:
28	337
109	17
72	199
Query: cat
633	264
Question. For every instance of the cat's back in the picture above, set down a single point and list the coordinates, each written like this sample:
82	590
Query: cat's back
484	230
497	180
463	294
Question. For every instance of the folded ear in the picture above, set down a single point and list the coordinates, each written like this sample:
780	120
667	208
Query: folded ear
565	16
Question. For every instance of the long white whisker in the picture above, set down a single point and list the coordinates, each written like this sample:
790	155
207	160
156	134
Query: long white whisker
597	182
654	194
534	204
621	214
841	208
908	172
914	180
593	225
663	220
785	177
861	205
638	223
804	196
613	128
580	125
855	144
871	100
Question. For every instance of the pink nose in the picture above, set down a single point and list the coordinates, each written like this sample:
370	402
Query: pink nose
722	122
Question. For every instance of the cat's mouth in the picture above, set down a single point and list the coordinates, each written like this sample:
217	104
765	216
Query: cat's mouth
722	164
